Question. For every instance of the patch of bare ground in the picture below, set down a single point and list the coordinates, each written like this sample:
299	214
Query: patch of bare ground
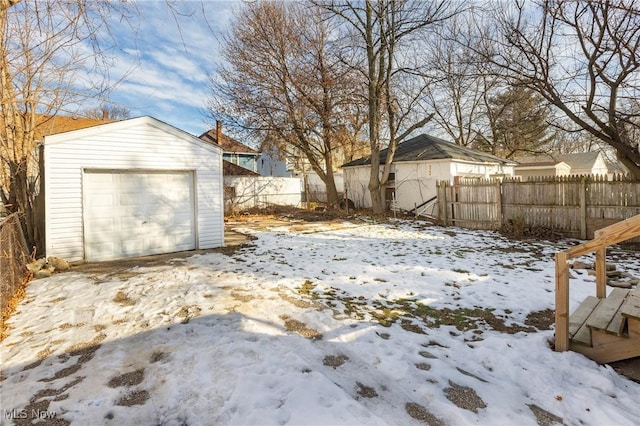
464	397
188	312
334	361
366	391
423	366
84	351
420	413
542	320
158	356
132	398
131	378
123	300
39	403
244	298
629	368
87	347
300	328
545	418
307	299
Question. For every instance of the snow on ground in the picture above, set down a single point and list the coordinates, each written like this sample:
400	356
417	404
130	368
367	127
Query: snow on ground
360	323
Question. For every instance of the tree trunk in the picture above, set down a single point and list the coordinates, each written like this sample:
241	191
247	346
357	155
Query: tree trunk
628	162
332	192
378	202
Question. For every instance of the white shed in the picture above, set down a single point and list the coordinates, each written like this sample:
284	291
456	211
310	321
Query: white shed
418	164
131	188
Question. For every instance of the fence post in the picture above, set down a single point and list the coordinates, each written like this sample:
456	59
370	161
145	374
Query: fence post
499	202
454	199
443	205
562	302
583	208
601	273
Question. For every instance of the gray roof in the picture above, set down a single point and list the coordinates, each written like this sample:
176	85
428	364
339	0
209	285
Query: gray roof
426	147
580	160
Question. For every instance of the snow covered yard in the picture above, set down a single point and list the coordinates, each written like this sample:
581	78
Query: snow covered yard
353	323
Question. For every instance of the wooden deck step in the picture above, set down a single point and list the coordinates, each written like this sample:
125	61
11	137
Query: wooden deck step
599	314
607	316
578	330
631	306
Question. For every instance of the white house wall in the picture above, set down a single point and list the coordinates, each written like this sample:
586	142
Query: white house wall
142	144
262	191
356	183
559	169
479	170
599	168
318	189
415	182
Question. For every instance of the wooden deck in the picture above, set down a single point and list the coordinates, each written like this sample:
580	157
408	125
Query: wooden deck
607	330
604	328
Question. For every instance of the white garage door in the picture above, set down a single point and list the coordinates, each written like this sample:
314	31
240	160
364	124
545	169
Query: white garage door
130	214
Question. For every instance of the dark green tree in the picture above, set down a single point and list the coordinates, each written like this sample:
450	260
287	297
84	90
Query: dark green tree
518	121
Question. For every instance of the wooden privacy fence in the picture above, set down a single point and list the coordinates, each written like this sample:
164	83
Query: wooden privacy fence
13	258
574	206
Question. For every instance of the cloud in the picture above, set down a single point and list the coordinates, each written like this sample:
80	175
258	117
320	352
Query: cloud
162	59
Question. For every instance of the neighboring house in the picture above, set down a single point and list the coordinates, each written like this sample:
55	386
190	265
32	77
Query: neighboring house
270	163
583	163
244	189
131	188
616	168
232	151
252	179
49	125
45	125
419	163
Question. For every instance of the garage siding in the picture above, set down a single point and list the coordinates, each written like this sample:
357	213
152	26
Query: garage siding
140	144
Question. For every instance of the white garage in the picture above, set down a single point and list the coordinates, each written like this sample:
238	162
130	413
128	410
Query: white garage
131	188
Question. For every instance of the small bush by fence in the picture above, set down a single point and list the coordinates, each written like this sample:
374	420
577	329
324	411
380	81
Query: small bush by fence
13	258
574	206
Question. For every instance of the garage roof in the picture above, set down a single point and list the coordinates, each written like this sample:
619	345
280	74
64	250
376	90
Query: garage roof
425	147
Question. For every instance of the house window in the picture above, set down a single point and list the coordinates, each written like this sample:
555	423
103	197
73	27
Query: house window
392	177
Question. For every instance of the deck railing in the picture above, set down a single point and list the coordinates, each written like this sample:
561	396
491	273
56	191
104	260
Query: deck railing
603	238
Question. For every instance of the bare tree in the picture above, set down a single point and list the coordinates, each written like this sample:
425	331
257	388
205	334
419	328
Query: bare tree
108	110
282	84
583	57
461	82
383	37
42	54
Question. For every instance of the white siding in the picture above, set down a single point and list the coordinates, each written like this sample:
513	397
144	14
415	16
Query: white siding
479	170
415	181
600	166
318	189
356	183
138	144
262	191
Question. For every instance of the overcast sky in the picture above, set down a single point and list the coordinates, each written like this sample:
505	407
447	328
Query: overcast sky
164	59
